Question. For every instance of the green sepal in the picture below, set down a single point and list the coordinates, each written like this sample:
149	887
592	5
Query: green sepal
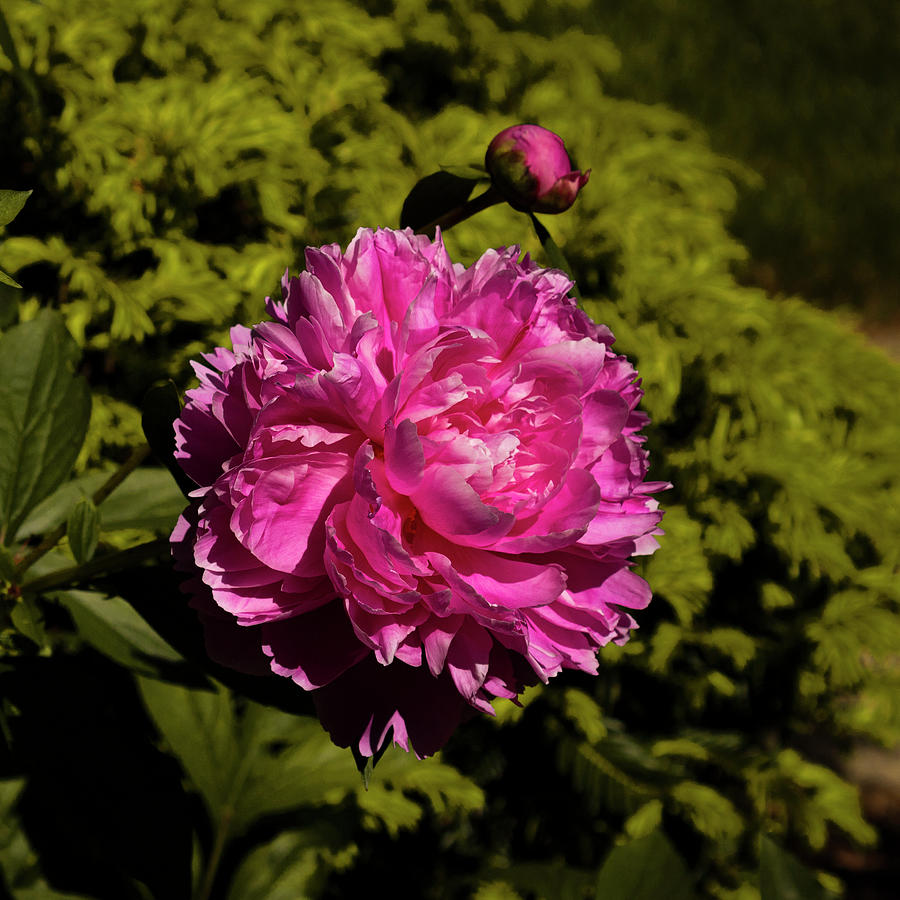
366	764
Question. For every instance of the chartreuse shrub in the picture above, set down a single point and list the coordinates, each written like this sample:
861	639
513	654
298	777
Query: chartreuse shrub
181	155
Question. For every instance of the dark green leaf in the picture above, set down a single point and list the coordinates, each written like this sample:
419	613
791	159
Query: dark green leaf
54	510
156	596
7	564
18	861
83	530
283	869
161	407
27	618
783	877
251	765
7	45
9	306
45	408
434	196
11	202
645	869
148	498
111	626
6	279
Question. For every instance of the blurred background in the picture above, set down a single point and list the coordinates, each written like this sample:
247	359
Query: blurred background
805	93
737	235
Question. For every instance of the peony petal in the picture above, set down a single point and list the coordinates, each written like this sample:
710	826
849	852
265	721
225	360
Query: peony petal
456	453
403	457
369	700
315	648
453	509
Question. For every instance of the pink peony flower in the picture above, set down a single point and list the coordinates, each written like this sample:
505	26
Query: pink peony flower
419	487
530	167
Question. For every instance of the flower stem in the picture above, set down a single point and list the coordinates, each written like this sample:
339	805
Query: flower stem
456	215
215	857
101	565
135	458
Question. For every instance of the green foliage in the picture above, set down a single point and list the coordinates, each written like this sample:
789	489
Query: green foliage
182	155
83	530
249	762
644	869
11	202
18	861
781	877
111	625
45	408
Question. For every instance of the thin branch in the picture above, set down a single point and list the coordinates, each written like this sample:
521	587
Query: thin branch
469	208
101	565
135	458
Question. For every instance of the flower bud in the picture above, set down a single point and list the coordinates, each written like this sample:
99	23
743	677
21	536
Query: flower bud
530	167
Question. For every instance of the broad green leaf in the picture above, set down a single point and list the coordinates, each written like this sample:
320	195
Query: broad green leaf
8	279
161	407
433	196
27	618
83	530
11	203
256	764
45	408
55	509
446	788
783	877
389	806
112	626
291	865
148	499
645	869
199	728
306	770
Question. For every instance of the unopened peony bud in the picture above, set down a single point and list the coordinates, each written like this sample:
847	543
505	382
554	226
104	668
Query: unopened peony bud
530	167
